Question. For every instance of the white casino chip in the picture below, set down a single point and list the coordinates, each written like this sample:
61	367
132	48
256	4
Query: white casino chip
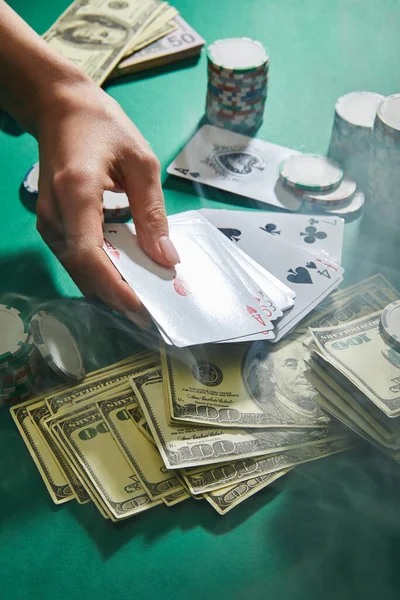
343	193
358	108
115	201
310	172
57	346
389	113
238	54
348	210
390	321
13	333
354	206
31	181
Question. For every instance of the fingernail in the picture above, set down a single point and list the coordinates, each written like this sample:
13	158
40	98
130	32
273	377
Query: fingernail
169	251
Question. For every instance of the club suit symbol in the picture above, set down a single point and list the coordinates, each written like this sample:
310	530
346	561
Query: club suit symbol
311	234
271	228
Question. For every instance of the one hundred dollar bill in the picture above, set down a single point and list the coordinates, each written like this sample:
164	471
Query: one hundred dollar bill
352	303
385	427
360	352
90	441
95	34
217	476
62	482
241	385
155	29
60	401
53	477
189	446
144	458
223	500
260	385
150	37
346	414
140	422
176	497
39	412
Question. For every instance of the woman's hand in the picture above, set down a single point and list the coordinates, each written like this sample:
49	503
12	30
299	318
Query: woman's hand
87	144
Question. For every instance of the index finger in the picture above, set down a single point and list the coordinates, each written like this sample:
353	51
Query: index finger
82	252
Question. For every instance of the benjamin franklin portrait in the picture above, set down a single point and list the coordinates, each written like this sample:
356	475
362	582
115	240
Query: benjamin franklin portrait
94	31
274	378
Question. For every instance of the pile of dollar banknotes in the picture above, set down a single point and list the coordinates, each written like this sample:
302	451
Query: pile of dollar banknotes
222	421
119	37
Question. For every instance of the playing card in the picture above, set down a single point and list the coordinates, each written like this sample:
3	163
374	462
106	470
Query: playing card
281	294
238	164
213	243
254	277
319	235
194	303
311	278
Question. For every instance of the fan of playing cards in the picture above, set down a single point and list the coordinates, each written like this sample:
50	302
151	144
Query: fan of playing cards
243	276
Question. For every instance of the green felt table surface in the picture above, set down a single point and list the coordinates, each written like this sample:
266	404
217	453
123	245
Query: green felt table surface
327	530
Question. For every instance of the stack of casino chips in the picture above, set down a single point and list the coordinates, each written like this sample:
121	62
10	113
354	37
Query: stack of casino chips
384	166
237	84
322	185
352	133
18	357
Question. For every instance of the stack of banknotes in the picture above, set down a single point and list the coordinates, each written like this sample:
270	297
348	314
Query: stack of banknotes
118	37
218	422
357	374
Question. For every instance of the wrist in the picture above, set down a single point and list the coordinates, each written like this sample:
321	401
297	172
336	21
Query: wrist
53	91
31	72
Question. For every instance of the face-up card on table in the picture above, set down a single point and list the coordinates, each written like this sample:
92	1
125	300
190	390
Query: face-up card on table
236	163
317	234
311	278
194	303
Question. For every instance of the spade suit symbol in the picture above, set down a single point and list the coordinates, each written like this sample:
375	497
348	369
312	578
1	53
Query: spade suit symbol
232	234
239	162
299	275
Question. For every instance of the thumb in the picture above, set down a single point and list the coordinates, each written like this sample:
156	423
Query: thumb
148	211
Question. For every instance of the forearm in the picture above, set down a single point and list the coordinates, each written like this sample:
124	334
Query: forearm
31	73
